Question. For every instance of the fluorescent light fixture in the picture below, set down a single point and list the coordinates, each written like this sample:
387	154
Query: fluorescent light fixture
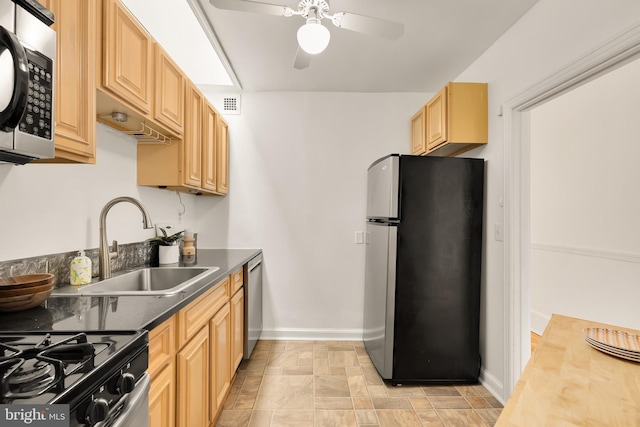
313	37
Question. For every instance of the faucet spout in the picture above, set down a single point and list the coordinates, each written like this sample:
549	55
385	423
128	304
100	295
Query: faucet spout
105	256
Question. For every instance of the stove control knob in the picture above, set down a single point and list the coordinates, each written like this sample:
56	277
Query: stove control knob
98	410
126	383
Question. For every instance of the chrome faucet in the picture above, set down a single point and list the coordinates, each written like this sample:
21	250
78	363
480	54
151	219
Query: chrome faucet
105	256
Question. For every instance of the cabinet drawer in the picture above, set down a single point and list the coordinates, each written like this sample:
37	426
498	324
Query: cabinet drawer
194	316
236	281
161	346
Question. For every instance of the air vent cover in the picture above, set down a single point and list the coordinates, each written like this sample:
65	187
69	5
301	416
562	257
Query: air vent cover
231	104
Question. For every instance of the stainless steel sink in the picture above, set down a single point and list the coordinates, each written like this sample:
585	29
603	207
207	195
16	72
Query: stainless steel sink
152	281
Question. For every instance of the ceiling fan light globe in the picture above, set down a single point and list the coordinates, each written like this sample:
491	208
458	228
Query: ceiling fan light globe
313	37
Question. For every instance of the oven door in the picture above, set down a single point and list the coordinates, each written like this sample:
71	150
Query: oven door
133	409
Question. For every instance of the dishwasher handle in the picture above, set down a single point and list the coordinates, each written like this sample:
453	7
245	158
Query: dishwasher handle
255	262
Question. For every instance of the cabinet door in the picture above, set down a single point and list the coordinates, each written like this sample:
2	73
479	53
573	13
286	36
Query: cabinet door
436	111
418	145
169	92
221	358
75	103
162	340
192	173
209	178
162	399
127	56
237	330
192	386
222	156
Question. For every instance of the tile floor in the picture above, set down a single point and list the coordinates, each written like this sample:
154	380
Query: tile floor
333	383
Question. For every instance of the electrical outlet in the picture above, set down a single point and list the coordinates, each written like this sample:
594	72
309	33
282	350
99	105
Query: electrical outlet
359	237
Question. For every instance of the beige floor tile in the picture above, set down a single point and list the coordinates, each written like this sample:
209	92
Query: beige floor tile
377	390
292	419
398	418
320	354
262	345
366	417
467	390
333	403
273	370
253	367
298	370
252	380
460	418
420	403
319	346
449	402
293	392
341	345
429	417
432	390
279	347
357	386
244	402
489	416
286	359
337	371
478	402
233	418
364	360
371	375
353	371
404	391
482	391
343	359
331	386
299	346
321	367
260	419
335	419
495	403
391	403
260	354
362	403
231	397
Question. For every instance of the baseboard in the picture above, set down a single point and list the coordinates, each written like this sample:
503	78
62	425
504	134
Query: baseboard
492	384
539	321
305	334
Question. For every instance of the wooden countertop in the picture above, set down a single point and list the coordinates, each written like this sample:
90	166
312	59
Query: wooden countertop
569	383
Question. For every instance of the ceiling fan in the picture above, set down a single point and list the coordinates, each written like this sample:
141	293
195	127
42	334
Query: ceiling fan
313	37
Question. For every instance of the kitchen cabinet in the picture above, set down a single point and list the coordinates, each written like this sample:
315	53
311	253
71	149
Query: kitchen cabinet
75	98
455	120
162	403
418	145
198	164
193	381
220	329
138	79
237	328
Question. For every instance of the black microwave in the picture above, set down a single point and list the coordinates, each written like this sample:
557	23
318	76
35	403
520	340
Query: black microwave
27	82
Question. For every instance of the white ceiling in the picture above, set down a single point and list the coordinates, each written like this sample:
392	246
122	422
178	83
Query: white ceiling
441	39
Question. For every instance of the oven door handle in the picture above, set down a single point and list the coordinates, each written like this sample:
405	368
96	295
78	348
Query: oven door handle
11	115
123	412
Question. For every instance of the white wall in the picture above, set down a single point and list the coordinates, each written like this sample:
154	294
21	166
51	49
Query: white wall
585	204
551	35
48	209
297	190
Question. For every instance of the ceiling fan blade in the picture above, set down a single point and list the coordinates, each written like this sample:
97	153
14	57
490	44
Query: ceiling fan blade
251	6
368	25
303	59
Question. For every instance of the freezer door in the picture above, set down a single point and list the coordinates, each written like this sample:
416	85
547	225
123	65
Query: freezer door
382	188
379	295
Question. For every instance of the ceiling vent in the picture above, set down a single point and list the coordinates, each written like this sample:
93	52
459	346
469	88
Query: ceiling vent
231	104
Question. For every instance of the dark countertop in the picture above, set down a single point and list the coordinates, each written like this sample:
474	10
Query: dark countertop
78	313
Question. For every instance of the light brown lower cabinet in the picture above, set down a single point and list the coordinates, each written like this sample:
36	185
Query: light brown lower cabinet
193	357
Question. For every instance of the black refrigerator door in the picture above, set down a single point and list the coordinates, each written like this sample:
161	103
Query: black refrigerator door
438	270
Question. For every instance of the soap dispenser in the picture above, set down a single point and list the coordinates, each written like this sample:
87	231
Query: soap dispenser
80	272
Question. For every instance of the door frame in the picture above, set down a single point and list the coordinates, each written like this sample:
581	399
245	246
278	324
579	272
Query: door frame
615	52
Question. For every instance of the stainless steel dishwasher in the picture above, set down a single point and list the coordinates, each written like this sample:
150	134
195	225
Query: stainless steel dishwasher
252	304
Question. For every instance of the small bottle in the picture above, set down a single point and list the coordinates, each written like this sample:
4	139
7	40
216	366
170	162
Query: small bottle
188	249
80	272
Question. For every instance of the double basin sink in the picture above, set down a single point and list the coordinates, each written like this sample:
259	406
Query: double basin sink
151	281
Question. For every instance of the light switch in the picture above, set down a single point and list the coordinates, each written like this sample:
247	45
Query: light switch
359	237
498	232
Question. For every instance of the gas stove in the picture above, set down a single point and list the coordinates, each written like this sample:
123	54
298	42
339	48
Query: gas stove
92	372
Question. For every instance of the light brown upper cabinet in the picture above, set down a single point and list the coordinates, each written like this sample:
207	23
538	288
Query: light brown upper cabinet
455	120
137	78
75	103
198	164
418	145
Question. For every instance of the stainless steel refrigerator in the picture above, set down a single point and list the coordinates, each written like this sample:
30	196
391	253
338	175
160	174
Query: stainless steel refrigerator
423	267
